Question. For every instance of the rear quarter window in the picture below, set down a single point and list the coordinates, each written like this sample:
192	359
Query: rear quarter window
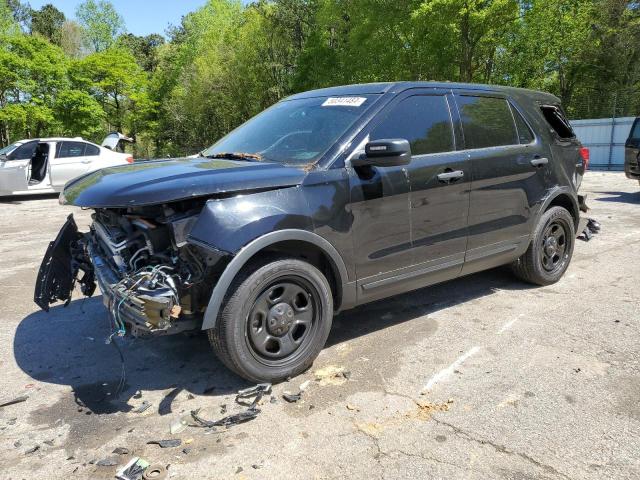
557	121
487	122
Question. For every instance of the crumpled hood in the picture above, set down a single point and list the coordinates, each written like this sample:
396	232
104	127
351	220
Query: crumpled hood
148	183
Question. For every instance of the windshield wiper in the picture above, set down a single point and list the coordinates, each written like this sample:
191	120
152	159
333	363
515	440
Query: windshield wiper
252	157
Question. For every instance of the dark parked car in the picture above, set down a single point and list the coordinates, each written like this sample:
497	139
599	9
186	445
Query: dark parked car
329	199
632	152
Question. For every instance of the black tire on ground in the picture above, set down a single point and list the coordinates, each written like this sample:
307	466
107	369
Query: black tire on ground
273	305
550	251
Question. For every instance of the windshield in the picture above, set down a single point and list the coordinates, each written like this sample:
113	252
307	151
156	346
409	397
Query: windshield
9	148
294	131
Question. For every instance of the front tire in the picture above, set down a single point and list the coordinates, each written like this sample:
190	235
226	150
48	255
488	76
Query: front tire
275	320
550	251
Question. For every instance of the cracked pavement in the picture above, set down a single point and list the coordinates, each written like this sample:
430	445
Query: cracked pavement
483	377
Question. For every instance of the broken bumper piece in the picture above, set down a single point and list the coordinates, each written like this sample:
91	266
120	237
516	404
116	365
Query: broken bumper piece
144	303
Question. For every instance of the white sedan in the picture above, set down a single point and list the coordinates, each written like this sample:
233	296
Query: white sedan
45	165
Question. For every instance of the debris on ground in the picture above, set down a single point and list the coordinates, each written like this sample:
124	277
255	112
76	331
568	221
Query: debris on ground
143	407
352	407
20	399
170	443
256	392
179	424
332	375
593	227
107	462
226	422
292	397
121	451
134	470
155	472
33	449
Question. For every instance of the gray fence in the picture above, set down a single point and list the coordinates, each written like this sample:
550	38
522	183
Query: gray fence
604	137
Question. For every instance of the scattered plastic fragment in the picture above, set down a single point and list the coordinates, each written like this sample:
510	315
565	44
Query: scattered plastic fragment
292	397
20	399
106	462
179	424
352	407
32	449
133	470
170	443
143	407
226	422
121	451
256	393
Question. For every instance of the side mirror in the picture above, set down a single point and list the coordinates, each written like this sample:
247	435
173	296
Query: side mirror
384	153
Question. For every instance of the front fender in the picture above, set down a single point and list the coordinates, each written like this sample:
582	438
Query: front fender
245	224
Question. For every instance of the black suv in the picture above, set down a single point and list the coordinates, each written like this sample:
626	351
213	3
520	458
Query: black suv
329	199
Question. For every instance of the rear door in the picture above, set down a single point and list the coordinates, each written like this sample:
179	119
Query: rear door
632	152
69	162
510	176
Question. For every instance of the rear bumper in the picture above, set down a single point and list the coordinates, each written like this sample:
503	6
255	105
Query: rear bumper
632	165
127	307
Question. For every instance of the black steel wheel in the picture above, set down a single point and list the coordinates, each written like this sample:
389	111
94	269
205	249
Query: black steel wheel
275	320
551	249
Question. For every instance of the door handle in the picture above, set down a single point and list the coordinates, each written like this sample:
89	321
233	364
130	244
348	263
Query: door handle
450	176
539	162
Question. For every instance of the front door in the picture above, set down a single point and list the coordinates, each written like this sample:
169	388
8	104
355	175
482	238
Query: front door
420	232
510	175
14	170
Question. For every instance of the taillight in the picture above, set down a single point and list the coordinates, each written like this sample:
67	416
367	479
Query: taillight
129	159
584	153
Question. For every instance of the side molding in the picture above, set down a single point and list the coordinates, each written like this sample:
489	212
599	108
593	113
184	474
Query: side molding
249	250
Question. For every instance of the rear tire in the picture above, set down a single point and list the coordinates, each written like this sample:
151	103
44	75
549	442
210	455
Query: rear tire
550	251
275	320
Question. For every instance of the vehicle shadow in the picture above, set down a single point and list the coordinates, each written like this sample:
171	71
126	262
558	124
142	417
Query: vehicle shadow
418	303
67	346
19	199
620	197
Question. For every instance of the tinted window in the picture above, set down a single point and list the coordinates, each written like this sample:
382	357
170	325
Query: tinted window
422	120
556	119
635	132
525	135
487	122
70	149
91	150
24	152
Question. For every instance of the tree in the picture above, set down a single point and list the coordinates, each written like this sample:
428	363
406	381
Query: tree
119	85
101	23
144	49
71	39
79	114
48	22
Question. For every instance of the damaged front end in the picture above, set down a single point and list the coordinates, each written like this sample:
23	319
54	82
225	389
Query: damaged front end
152	281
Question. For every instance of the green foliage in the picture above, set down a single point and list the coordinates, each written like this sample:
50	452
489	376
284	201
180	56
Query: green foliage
48	22
101	22
228	60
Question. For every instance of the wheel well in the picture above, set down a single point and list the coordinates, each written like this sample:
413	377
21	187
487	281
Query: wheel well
315	256
564	201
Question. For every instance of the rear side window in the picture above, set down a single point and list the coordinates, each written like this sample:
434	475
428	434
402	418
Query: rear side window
487	122
556	119
91	150
635	131
525	135
24	152
70	149
423	120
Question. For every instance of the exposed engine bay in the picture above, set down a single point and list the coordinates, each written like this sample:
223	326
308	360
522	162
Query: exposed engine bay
152	280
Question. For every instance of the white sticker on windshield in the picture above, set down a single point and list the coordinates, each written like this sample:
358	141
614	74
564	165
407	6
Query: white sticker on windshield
344	101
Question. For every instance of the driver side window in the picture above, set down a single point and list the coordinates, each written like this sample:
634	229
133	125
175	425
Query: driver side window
423	120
